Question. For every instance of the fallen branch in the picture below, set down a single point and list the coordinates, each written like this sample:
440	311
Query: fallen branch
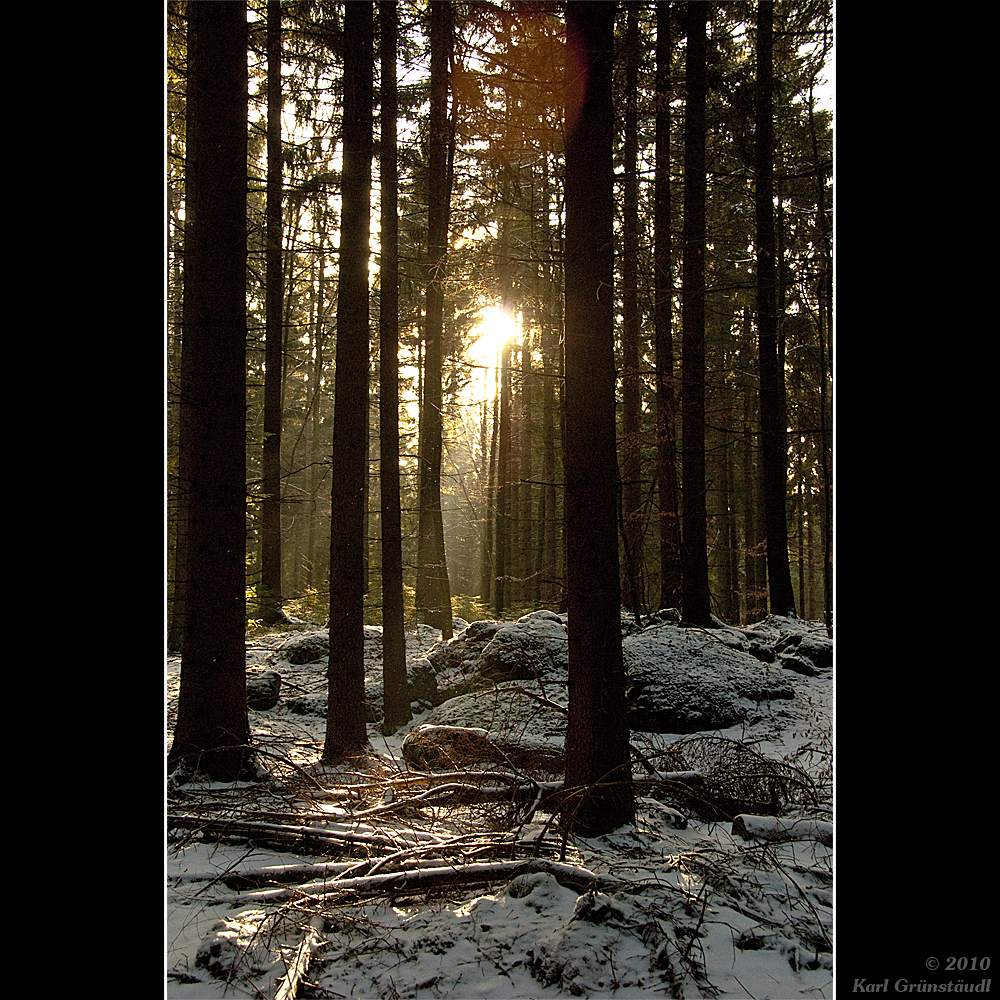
311	941
419	880
286	834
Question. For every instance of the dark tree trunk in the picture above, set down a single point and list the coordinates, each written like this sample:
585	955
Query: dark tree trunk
212	731
395	696
824	298
529	588
503	493
634	585
694	547
755	561
433	597
489	558
773	443
270	555
346	731
598	776
666	457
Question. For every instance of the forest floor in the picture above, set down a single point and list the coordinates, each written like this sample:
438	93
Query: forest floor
375	880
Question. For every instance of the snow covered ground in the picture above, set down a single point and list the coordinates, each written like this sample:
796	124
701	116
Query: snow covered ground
671	910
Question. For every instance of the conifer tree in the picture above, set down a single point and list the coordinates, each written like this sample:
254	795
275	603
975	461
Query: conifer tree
694	544
346	731
212	732
433	596
396	700
598	777
774	448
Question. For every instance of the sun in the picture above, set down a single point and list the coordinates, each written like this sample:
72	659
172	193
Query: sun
494	329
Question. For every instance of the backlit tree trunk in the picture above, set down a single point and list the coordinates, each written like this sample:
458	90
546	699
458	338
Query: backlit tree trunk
346	731
433	597
270	554
666	458
212	731
773	436
631	378
395	697
694	546
598	776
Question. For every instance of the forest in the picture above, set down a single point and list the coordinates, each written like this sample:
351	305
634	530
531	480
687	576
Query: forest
481	312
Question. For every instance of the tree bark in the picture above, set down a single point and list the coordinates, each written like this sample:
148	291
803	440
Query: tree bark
270	595
694	545
631	490
346	731
503	489
598	771
396	698
773	443
212	731
433	596
666	451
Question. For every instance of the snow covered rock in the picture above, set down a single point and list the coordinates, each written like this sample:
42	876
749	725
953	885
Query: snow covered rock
517	729
775	831
536	645
805	653
263	689
687	681
311	647
452	666
431	747
486	652
608	944
505	711
678	680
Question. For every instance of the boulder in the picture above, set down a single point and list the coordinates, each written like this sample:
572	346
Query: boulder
311	647
686	681
800	646
678	680
316	705
307	647
508	713
448	748
263	689
452	666
534	647
507	725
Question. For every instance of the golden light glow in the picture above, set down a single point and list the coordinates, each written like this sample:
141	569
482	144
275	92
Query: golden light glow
495	327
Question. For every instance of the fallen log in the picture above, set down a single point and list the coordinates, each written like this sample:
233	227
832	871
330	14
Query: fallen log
311	941
773	830
420	879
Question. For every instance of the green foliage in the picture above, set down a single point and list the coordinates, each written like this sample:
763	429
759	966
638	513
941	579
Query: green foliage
469	608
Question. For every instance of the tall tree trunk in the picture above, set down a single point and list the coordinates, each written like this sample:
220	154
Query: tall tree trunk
631	377
270	551
489	561
346	731
433	597
396	698
529	589
755	561
694	548
666	457
600	796
774	449
503	519
212	731
824	298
